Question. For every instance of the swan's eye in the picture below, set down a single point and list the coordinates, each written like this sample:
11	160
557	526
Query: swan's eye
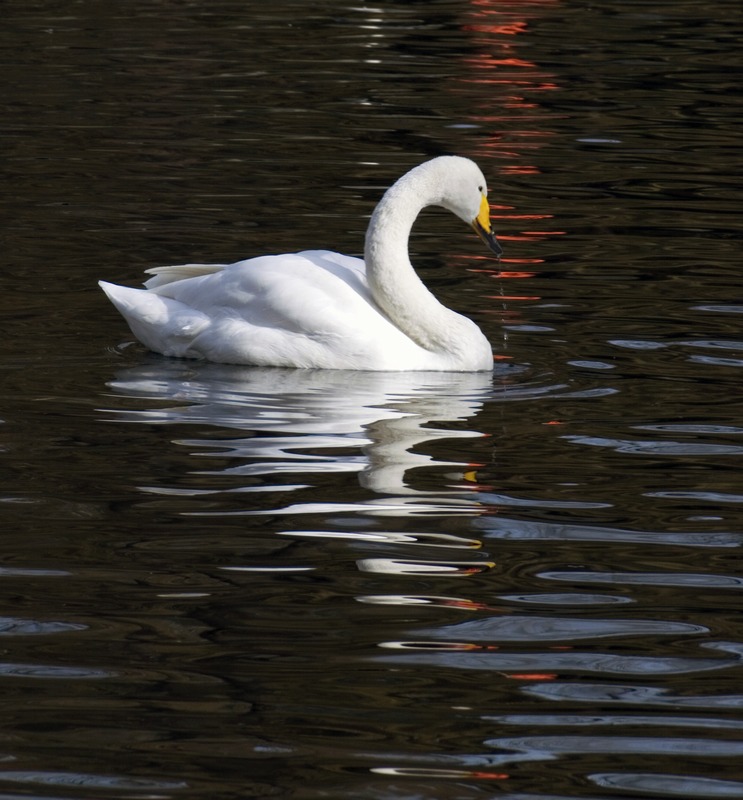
479	189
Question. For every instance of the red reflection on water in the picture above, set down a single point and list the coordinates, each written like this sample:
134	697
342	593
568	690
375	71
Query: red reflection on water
519	216
433	772
532	676
464	605
492	776
499	273
502	87
505	28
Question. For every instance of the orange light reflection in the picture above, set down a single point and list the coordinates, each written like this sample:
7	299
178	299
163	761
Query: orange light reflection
493	776
499	76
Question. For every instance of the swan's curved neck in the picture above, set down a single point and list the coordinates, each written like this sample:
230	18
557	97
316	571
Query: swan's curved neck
393	282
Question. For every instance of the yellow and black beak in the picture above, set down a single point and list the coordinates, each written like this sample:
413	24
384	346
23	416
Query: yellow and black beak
481	224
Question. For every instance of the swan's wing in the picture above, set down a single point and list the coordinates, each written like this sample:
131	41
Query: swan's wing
334	262
315	293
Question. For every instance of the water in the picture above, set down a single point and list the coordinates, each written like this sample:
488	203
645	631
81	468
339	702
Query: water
228	582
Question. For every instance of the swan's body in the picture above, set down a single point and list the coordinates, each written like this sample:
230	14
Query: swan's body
319	309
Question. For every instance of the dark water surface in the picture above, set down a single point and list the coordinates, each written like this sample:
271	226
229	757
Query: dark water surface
224	582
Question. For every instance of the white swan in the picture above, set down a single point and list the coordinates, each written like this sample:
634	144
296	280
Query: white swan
319	309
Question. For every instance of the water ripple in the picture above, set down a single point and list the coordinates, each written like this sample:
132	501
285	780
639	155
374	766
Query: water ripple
503	528
631	694
13	626
538	629
657	447
9	670
612	720
566	598
704	497
646	578
462	658
665	785
541	748
88	781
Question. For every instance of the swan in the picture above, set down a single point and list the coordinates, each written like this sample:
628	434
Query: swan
321	309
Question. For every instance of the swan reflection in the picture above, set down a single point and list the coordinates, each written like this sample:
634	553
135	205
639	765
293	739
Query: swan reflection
309	421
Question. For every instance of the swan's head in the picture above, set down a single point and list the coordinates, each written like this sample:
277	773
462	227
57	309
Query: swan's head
464	192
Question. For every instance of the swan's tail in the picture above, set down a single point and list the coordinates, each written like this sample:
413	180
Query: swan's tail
179	272
164	325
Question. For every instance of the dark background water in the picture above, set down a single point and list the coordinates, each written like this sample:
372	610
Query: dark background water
224	582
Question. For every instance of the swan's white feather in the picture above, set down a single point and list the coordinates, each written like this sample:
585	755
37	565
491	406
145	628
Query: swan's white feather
178	272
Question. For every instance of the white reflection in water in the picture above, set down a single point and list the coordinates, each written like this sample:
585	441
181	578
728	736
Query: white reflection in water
391	537
383	417
396	566
419	600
